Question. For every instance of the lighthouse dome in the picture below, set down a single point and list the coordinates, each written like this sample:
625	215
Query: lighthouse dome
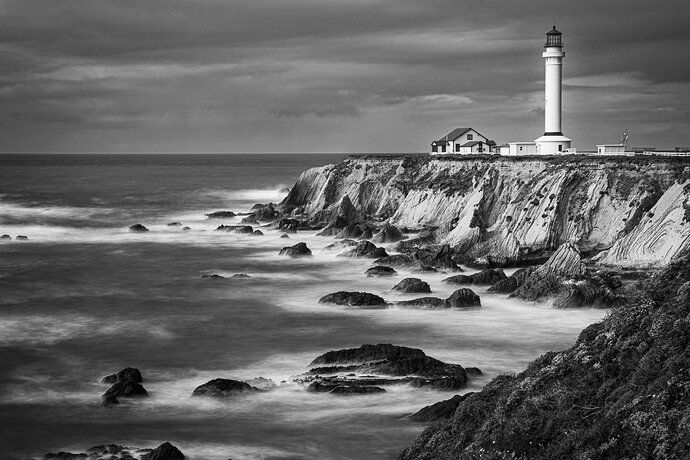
553	38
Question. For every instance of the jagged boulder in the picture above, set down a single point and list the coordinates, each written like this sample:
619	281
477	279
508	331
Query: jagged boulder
136	228
365	249
222	388
285	236
266	213
388	234
399	260
5	237
26	238
186	229
487	276
546	279
123	389
247	229
356	390
381	270
437	257
174	224
221	215
353	231
511	283
412	285
433	303
213	276
367	234
298	250
262	383
240	276
165	451
353	299
422	240
441	410
257	233
249	220
342	244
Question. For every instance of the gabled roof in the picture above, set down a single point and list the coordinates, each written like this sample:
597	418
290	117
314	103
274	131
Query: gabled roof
470	144
451	136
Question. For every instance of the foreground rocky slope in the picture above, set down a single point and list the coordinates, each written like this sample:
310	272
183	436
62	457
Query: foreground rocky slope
505	210
622	391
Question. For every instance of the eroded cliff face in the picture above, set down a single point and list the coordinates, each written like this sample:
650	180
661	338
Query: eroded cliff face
503	209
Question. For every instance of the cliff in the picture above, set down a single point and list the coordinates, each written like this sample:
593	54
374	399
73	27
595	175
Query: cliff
622	391
630	211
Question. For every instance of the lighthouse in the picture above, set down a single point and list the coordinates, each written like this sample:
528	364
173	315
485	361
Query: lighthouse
553	142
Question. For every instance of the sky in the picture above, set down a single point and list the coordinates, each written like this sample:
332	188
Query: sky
334	76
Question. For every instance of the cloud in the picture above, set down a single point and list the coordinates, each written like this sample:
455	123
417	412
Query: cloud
212	75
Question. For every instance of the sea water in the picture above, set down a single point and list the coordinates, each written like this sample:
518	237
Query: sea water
84	298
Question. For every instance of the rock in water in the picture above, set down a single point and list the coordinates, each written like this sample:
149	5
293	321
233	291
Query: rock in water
380	270
258	233
399	260
221	215
5	237
213	275
285	236
388	234
424	302
412	285
262	383
26	238
174	224
240	276
487	276
546	279
356	390
441	410
235	228
136	228
249	220
298	250
354	299
463	298
222	388
365	249
165	451
128	373
186	229
125	389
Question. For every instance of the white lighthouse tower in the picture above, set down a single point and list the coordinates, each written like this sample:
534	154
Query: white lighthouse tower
553	142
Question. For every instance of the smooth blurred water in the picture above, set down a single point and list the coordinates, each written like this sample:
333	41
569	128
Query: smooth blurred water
84	298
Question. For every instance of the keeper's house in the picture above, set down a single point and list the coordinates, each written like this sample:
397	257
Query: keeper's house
464	141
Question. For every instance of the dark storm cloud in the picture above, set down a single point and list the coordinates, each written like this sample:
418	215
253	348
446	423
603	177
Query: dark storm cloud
308	75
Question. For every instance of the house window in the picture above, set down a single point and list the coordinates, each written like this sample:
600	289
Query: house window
434	148
521	148
443	148
470	137
560	147
457	147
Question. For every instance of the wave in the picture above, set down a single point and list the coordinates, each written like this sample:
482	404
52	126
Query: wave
274	194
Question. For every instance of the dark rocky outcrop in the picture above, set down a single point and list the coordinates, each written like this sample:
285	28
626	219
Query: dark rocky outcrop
380	270
240	276
356	390
174	224
262	383
365	249
412	285
26	238
408	365
441	410
354	299
298	250
5	237
487	276
213	276
221	215
388	234
266	213
342	244
511	283
399	260
235	228
222	388
185	229
165	451
128	373
136	228
258	233
620	392
249	220
462	298
285	236
442	257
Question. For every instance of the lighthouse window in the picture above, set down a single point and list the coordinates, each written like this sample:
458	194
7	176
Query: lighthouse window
560	147
470	137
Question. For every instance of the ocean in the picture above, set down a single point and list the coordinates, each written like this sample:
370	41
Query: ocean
84	297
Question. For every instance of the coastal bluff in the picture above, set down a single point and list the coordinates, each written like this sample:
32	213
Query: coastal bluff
623	211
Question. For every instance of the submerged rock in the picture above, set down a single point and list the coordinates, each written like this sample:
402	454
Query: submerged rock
136	228
342	244
5	237
298	250
407	365
258	233
240	276
174	224
222	388
165	451
23	238
365	249
354	299
212	275
424	302
356	390
398	260
285	236
412	285
185	229
380	270
487	276
262	383
221	215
